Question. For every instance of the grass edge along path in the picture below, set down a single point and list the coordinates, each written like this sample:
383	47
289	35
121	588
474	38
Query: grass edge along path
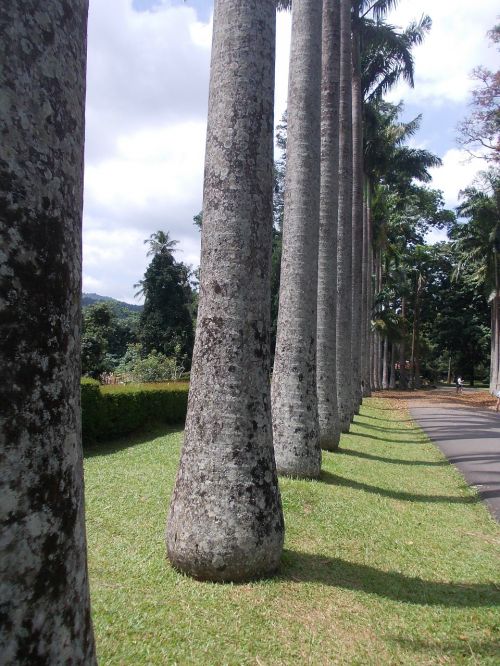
389	559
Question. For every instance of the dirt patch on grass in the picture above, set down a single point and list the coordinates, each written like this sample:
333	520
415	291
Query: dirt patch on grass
397	400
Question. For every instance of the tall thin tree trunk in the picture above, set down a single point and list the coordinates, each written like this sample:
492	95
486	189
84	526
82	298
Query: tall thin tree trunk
295	404
43	560
495	327
403	381
366	314
225	520
385	364
370	291
344	255
357	221
495	345
327	265
392	370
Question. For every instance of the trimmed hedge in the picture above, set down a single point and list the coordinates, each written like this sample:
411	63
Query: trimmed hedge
114	411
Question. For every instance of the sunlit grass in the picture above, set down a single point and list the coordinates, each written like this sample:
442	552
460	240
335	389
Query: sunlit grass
389	559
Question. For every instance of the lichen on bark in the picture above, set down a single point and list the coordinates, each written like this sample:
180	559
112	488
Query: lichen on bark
225	520
45	606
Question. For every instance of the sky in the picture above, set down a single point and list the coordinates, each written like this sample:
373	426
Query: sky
147	91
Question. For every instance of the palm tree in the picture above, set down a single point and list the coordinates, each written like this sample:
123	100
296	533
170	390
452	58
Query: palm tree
225	520
160	243
381	56
45	592
478	245
327	275
294	397
344	250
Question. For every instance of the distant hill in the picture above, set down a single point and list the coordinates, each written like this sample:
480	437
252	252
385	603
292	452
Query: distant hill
123	310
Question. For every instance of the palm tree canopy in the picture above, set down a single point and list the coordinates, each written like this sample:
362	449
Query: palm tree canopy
477	241
160	243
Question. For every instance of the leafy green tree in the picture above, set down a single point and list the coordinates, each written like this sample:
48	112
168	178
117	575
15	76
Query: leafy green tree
477	243
104	338
166	323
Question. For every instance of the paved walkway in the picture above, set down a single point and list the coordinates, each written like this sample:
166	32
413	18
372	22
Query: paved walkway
470	439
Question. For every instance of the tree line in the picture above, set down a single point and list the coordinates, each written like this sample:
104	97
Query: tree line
225	518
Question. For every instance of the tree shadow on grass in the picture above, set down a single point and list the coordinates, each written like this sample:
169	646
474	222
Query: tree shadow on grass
456	648
387	439
335	480
377	428
333	571
108	447
386	419
394	461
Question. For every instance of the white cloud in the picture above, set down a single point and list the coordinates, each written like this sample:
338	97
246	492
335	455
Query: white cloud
147	90
455	45
457	172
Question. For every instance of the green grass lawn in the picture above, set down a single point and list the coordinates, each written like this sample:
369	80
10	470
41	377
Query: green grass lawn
389	559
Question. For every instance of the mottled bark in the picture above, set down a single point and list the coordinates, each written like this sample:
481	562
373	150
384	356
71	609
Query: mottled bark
329	424
225	520
368	249
357	221
295	405
344	254
45	605
365	299
495	345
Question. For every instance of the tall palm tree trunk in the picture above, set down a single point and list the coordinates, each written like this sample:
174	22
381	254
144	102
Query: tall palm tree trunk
344	254
495	328
43	560
385	363
295	404
403	380
225	520
357	221
366	311
392	370
327	263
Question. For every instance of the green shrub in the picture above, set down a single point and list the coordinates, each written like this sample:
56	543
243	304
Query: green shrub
114	411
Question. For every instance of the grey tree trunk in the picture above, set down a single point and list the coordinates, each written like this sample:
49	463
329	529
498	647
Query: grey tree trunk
385	364
392	369
327	264
45	604
495	345
369	293
225	520
365	295
357	222
403	380
294	397
344	253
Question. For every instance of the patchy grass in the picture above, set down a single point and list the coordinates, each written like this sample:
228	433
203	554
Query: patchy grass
389	559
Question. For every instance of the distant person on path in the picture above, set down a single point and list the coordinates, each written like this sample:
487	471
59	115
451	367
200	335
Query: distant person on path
459	384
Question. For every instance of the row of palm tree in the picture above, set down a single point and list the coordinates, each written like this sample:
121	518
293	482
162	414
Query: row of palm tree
225	518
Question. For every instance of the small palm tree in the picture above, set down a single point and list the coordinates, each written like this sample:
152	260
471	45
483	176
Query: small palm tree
160	243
